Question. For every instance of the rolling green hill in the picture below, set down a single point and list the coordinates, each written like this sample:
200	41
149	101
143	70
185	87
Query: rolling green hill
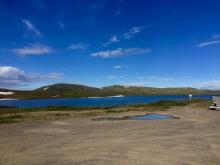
75	90
67	90
136	90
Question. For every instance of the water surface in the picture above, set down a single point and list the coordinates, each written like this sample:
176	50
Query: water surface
151	116
103	101
148	116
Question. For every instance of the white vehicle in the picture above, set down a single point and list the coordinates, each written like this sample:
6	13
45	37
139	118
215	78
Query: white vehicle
215	103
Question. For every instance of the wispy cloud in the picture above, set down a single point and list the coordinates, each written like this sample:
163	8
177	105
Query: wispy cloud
78	46
61	24
36	49
117	67
53	75
146	77
111	77
148	81
113	39
120	66
135	83
116	76
154	78
208	43
13	76
120	52
31	28
132	32
211	84
216	36
128	35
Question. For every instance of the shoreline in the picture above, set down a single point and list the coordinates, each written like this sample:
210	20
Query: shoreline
107	96
13	114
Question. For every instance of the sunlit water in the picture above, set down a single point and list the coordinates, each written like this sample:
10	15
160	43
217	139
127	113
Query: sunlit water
151	116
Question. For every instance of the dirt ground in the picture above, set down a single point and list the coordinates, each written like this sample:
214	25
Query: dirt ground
194	139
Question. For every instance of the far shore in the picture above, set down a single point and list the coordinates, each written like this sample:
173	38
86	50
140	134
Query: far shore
29	97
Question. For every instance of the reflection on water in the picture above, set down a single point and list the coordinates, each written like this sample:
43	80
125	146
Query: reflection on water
148	116
151	116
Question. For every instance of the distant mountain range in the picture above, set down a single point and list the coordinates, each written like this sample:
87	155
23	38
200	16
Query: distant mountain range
75	90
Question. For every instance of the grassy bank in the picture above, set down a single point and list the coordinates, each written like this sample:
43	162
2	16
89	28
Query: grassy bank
13	114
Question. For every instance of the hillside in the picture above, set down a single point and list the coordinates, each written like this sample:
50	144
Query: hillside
136	90
67	90
75	90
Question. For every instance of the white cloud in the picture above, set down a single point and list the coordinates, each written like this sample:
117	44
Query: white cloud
12	76
132	32
120	52
78	46
61	24
113	39
36	49
208	43
31	28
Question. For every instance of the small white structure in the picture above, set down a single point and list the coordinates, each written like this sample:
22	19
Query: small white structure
190	97
6	93
215	103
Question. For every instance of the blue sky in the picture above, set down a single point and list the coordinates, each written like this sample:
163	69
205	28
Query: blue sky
159	43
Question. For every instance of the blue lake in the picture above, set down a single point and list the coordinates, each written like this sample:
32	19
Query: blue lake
104	101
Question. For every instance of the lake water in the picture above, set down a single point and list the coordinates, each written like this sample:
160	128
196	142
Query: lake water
104	101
